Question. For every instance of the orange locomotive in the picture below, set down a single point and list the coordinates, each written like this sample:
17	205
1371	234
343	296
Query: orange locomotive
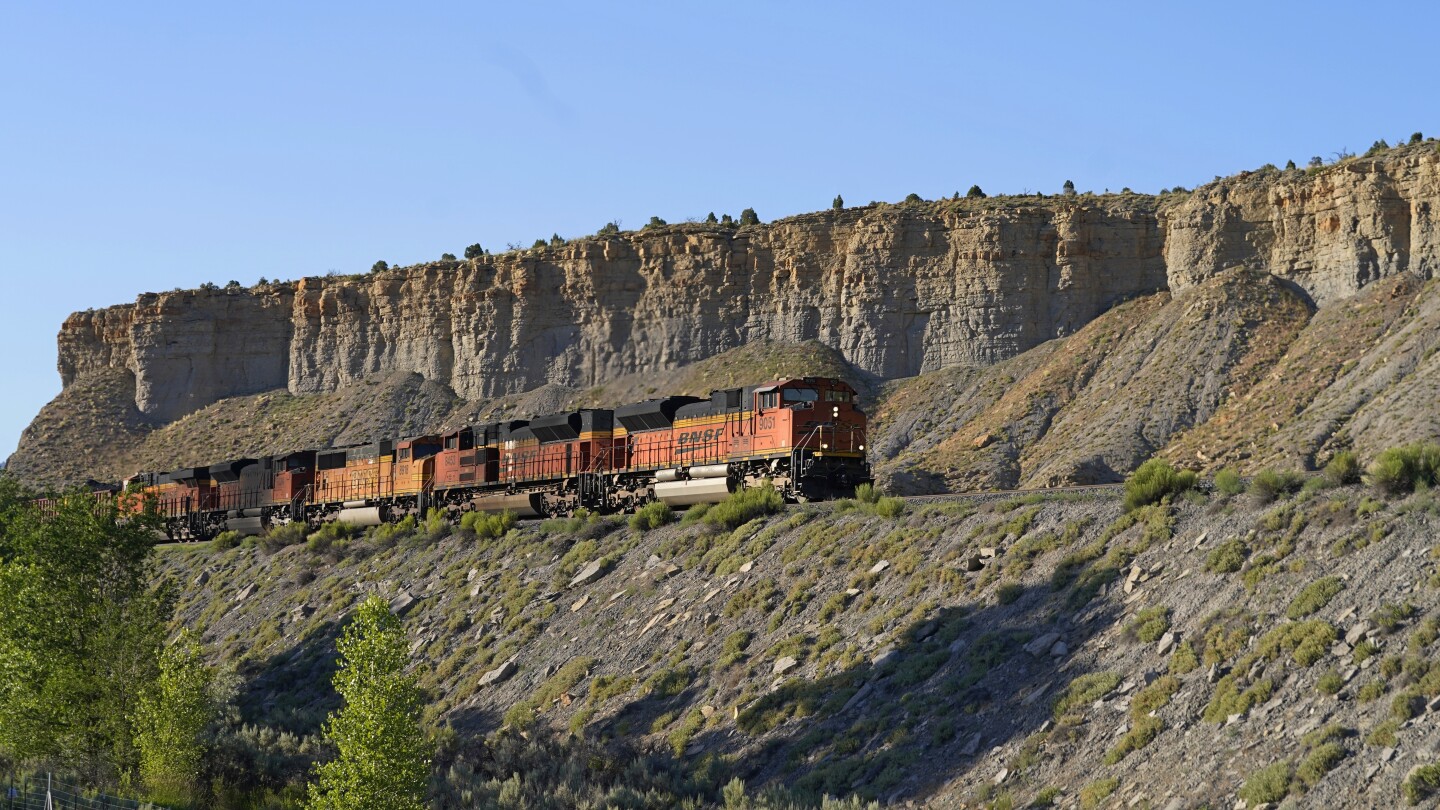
805	436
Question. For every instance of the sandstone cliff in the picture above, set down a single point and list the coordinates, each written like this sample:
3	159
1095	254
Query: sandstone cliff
964	287
898	290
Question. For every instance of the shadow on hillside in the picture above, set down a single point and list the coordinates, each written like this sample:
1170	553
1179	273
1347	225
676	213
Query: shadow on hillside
291	690
911	717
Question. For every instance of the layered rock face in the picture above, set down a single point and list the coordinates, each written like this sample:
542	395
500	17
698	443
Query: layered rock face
898	290
1330	234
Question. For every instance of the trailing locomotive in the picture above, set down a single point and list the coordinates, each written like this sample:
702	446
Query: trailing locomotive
806	436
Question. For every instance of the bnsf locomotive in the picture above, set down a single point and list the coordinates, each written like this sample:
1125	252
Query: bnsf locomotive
805	436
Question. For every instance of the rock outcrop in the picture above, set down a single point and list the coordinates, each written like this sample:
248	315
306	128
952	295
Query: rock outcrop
898	290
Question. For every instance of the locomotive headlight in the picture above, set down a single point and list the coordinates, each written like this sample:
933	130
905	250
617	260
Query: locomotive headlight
835	410
824	446
862	448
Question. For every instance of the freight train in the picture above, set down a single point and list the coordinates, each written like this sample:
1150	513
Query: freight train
805	436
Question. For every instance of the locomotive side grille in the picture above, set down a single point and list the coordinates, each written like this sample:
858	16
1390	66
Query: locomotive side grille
467	461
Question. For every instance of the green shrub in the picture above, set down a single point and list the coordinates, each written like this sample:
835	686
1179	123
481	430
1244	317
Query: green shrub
1142	732
1314	596
1154	697
1343	469
652	515
329	534
488	525
1228	557
889	507
225	541
1267	485
387	532
1229	699
695	514
1150	624
1267	785
1330	683
1406	705
1401	469
1390	616
867	493
1184	659
744	506
1228	482
733	650
285	535
1084	690
1009	592
1155	480
1422	783
1383	735
1098	791
437	524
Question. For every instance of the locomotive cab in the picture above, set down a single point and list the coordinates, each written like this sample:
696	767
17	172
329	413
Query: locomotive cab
414	468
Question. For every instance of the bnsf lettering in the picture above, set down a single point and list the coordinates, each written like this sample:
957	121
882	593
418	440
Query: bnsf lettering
692	441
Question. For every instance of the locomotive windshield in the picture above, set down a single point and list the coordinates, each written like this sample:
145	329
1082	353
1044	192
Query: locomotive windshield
801	395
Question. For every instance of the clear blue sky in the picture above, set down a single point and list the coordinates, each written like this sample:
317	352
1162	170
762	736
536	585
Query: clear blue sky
148	146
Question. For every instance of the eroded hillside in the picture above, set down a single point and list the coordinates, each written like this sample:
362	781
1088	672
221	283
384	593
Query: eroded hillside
992	651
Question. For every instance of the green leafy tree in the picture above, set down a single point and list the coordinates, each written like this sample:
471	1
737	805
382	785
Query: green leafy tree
749	217
726	219
474	251
838	203
975	193
655	222
172	721
447	257
1416	137
384	757
380	266
1069	187
538	243
556	240
609	229
710	218
80	632
912	197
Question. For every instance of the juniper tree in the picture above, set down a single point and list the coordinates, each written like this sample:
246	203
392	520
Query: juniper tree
975	193
474	251
839	203
1069	187
384	757
447	257
749	217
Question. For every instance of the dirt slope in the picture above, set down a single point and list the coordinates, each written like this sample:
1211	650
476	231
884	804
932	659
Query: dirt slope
829	650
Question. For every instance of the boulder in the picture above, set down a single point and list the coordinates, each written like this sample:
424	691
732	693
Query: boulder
499	674
591	572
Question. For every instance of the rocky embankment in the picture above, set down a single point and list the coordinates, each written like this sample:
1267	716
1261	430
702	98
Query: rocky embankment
986	652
